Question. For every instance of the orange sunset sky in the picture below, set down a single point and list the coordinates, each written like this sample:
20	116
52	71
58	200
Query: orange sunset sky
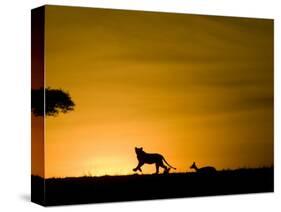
193	88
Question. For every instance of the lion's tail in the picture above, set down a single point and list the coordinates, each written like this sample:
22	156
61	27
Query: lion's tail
169	164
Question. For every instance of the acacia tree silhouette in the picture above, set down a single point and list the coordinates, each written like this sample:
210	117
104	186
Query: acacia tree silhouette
57	101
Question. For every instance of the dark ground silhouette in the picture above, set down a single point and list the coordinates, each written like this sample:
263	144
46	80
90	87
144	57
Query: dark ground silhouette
77	190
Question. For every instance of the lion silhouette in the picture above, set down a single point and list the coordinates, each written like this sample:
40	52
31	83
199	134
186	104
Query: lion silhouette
151	158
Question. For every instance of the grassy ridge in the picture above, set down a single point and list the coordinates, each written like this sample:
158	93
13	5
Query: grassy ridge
77	190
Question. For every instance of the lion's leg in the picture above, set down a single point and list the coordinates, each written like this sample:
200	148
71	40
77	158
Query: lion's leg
157	168
138	167
166	169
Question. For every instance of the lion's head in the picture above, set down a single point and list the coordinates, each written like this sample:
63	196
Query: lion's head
138	150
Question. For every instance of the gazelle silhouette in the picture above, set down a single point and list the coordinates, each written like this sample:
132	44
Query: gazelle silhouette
206	169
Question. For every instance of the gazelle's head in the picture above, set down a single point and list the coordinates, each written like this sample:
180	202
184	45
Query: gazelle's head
193	166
